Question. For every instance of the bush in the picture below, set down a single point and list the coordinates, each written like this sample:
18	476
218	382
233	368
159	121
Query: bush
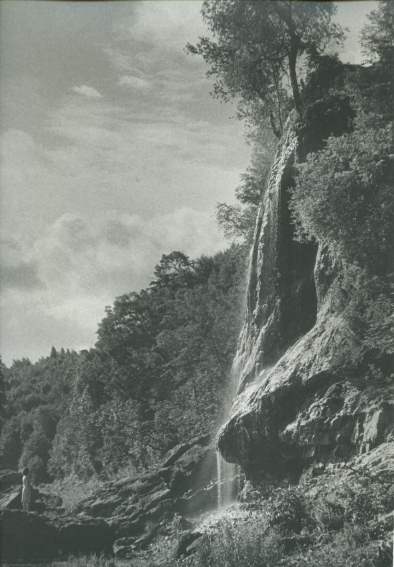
286	510
72	490
240	545
350	548
343	196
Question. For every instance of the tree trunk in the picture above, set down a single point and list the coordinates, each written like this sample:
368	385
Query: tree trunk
277	131
287	17
293	53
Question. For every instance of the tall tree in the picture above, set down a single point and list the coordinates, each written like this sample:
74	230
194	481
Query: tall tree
377	37
256	48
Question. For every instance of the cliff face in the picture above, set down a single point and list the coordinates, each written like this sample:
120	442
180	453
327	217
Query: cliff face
295	404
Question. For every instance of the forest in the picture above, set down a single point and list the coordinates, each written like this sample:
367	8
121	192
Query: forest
154	378
158	374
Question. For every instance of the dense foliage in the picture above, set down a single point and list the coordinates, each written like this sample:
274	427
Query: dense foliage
377	35
255	49
238	221
157	376
344	196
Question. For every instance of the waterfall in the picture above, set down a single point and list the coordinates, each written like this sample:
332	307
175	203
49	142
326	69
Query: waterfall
227	481
228	473
258	344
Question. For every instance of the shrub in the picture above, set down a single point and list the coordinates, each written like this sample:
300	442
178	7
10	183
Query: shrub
240	545
350	548
286	510
343	196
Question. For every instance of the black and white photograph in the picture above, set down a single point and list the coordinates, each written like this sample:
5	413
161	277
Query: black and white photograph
197	283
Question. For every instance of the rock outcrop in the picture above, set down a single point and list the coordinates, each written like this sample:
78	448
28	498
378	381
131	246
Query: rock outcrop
139	509
296	403
120	518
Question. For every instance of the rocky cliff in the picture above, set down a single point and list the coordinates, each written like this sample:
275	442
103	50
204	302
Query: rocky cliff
297	403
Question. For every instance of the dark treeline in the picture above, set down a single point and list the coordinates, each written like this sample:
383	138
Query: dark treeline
156	376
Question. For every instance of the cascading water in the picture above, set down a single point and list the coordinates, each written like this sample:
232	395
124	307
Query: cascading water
258	345
228	473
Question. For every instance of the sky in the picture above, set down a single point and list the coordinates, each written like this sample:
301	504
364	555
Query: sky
113	152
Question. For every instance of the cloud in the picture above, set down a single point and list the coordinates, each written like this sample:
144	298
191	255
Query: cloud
150	46
148	156
63	281
133	82
117	252
96	188
170	24
87	91
17	271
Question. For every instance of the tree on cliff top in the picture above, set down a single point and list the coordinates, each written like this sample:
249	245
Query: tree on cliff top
256	47
377	36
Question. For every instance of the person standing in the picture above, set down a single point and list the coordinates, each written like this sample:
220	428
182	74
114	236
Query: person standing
26	490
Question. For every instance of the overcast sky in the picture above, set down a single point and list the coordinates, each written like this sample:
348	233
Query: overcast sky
113	153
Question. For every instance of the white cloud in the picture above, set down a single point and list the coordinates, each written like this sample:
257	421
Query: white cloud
147	157
170	24
86	90
133	82
117	251
159	160
81	264
18	270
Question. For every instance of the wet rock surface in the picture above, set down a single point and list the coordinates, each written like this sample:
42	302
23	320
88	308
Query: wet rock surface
297	402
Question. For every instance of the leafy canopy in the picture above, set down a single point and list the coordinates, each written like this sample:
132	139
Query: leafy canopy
343	196
377	36
255	48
